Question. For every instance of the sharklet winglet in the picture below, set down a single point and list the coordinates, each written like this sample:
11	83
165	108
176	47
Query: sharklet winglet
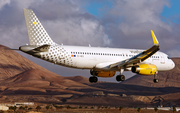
154	38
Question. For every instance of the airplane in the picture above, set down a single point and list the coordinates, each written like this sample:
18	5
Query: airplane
102	62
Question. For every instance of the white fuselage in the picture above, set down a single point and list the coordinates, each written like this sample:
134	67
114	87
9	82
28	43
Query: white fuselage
98	58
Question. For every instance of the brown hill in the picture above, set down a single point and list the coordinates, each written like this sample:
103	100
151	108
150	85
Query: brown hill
12	63
79	79
40	78
18	74
39	82
166	79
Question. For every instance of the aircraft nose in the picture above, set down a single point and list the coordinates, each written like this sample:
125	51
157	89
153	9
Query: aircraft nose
172	64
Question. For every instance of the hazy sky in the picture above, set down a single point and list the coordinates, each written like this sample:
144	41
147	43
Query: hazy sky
105	23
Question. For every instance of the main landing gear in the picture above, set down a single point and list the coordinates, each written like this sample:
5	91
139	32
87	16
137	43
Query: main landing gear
120	78
93	79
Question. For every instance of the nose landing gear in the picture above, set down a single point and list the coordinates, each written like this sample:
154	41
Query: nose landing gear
155	79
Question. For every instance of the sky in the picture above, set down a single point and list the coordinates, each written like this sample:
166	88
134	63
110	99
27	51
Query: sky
104	23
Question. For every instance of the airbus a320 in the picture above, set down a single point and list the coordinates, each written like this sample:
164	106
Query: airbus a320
102	62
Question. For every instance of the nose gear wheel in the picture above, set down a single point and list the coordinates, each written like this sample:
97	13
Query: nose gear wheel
155	79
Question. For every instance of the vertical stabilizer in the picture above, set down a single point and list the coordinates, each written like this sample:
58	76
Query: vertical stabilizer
36	32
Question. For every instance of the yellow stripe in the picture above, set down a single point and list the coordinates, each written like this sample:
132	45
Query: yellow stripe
154	38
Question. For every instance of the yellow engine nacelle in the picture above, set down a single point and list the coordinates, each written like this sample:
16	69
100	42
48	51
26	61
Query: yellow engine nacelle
144	69
106	73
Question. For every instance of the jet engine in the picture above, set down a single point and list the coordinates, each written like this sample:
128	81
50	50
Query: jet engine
103	73
144	69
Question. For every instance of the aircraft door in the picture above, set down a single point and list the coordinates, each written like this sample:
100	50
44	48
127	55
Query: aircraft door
123	56
162	59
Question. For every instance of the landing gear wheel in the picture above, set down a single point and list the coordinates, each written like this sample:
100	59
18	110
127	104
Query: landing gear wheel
93	79
156	80
120	78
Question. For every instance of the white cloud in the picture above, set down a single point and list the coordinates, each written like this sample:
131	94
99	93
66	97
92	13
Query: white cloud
77	31
25	3
3	3
129	23
138	16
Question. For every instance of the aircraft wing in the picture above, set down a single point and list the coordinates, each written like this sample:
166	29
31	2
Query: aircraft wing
141	56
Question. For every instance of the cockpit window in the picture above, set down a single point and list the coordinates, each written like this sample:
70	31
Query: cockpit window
168	57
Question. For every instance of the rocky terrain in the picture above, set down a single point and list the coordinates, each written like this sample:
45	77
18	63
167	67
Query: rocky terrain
23	80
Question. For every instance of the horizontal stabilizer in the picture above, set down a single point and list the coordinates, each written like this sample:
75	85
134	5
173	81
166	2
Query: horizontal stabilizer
34	49
42	48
